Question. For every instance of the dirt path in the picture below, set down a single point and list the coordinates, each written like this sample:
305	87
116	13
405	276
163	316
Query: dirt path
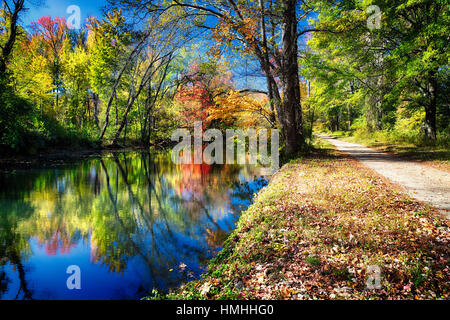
421	182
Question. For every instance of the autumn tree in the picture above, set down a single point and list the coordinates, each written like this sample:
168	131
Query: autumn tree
10	14
237	108
51	33
199	87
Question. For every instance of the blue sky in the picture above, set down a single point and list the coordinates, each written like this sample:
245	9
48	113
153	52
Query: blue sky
57	8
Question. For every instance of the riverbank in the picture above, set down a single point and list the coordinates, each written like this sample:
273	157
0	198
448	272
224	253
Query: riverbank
54	156
321	230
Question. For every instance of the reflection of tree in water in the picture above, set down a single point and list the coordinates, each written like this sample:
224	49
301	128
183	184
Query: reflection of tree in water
243	193
4	281
13	247
128	207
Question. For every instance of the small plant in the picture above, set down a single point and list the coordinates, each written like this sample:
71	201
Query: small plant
313	260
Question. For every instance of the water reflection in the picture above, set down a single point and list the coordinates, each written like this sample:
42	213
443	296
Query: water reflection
131	221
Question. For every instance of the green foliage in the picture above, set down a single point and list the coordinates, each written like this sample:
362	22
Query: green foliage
394	77
14	116
107	41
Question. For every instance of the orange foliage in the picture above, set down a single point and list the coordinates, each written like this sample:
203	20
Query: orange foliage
200	85
236	108
228	30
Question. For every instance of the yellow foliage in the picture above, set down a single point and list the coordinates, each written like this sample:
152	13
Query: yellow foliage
236	108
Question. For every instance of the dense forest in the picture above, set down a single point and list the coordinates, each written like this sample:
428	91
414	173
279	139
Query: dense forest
147	67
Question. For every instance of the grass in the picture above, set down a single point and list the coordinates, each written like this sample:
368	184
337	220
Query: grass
317	231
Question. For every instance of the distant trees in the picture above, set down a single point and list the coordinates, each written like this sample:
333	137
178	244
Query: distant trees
145	74
64	86
386	75
51	34
198	89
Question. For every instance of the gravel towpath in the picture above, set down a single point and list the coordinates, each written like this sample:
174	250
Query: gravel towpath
421	182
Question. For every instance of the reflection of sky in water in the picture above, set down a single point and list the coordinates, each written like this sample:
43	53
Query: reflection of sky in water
130	224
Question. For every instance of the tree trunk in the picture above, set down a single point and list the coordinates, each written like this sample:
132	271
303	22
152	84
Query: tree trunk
125	132
116	110
9	45
349	120
430	109
266	65
349	109
95	98
145	131
292	112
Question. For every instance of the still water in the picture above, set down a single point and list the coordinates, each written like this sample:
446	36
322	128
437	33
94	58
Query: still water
130	221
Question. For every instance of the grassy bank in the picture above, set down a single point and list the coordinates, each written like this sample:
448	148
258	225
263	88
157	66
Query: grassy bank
435	154
315	232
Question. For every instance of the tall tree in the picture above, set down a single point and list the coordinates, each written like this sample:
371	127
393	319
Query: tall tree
52	33
292	112
10	12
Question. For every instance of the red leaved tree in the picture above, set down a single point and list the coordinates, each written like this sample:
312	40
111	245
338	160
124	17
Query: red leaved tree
51	33
197	91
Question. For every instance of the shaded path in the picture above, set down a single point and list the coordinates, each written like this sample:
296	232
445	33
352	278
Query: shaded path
421	182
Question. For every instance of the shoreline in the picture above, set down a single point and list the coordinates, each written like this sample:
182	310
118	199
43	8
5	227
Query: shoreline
58	156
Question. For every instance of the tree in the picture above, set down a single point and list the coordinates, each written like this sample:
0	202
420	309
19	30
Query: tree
108	40
51	33
277	60
292	112
75	75
235	108
199	87
10	13
14	110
